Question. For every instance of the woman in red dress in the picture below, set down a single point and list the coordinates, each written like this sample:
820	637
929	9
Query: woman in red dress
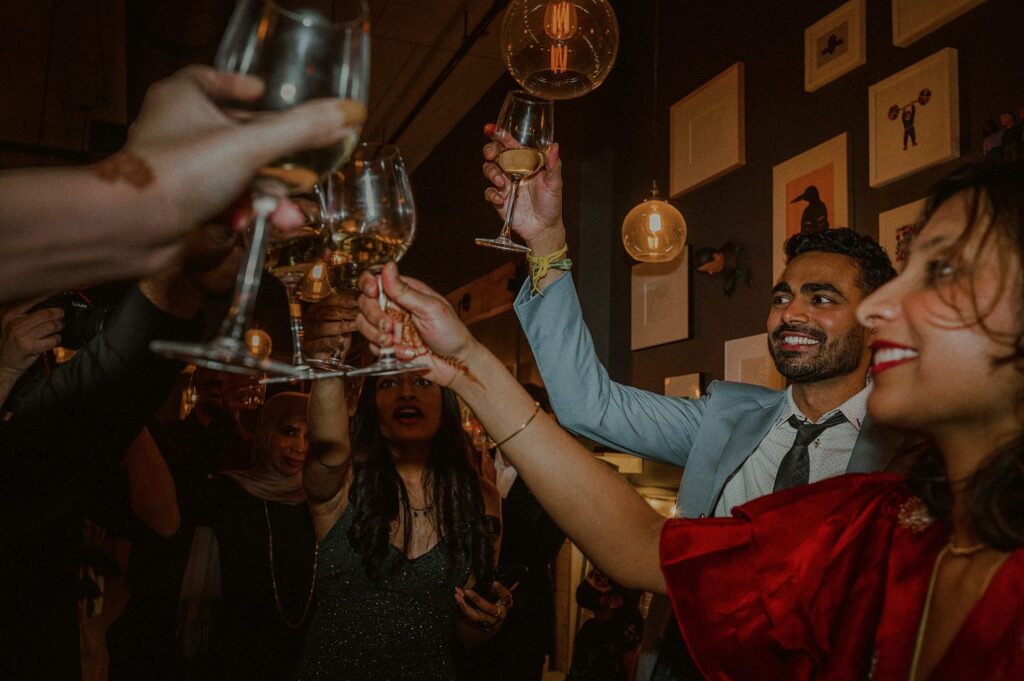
858	577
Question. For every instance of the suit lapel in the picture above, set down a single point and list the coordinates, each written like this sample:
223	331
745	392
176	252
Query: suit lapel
874	449
749	427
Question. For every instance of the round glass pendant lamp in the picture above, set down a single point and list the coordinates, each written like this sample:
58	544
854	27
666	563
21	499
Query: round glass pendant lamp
559	49
654	231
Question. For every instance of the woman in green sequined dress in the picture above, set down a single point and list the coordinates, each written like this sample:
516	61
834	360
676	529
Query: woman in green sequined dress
403	532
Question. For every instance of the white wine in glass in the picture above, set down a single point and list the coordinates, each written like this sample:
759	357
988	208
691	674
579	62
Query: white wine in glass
525	128
374	223
300	55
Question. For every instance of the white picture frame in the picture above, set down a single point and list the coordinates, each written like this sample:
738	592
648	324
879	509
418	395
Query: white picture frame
686	385
912	19
660	302
706	132
823	168
929	93
895	227
747	360
835	45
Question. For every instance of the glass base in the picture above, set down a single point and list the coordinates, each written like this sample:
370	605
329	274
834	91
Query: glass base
328	364
312	373
504	244
387	366
223	354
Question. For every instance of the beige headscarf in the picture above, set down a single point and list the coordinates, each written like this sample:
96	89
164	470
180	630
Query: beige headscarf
262	480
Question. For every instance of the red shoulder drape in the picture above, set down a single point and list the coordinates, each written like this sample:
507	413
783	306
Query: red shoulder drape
825	581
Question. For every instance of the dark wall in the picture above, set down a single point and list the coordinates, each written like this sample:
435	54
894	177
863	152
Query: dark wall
606	135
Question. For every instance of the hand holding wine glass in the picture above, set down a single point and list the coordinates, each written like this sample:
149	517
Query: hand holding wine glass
436	324
524	131
300	56
538	212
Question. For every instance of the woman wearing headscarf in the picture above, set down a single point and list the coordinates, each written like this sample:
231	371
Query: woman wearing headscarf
249	583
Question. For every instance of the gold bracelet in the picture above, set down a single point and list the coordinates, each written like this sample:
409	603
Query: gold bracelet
542	264
536	408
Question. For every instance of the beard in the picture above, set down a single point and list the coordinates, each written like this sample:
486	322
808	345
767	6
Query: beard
830	358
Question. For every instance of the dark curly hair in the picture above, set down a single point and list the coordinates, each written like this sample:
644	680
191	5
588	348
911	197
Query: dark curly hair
378	494
995	214
875	266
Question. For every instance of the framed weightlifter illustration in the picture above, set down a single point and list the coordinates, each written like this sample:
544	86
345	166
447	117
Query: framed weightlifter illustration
914	118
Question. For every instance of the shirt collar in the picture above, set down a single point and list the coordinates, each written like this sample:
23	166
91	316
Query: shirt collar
854	409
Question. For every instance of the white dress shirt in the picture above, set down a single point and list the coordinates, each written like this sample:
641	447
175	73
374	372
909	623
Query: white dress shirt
829	453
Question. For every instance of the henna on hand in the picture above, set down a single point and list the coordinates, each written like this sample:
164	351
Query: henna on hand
411	338
126	166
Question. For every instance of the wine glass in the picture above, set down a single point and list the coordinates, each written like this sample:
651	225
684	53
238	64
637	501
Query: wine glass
373	222
300	56
526	127
299	263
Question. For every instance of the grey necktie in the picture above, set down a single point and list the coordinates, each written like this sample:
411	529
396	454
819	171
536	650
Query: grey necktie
795	468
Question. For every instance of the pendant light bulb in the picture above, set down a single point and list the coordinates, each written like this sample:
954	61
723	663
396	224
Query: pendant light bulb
560	19
559	49
654	231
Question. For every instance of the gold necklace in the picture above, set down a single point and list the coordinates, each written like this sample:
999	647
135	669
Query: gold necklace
273	578
965	551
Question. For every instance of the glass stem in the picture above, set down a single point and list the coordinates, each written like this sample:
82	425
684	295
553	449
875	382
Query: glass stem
248	281
506	229
298	333
387	353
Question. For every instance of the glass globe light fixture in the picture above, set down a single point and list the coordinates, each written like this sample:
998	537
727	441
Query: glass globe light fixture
654	231
259	343
559	49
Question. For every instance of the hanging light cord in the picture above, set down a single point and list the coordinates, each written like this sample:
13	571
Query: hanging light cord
654	106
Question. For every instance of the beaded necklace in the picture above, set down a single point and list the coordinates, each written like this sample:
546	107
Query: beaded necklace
273	577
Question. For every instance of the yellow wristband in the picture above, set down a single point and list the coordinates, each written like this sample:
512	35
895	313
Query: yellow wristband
541	265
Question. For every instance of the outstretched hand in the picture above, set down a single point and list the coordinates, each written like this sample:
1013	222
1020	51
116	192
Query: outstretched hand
202	157
440	341
538	210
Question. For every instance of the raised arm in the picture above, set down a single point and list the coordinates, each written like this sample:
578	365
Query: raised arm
329	461
185	162
584	398
606	518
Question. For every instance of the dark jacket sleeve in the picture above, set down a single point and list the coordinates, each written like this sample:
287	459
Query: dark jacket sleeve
72	428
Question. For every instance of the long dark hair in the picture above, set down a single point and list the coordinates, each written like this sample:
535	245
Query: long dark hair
995	213
378	493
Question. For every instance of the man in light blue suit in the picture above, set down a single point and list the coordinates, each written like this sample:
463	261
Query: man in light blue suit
739	441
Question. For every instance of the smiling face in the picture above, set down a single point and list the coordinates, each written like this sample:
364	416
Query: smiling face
813	332
409	408
288	444
940	327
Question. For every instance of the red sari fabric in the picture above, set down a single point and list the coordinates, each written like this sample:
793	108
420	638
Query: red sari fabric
828	581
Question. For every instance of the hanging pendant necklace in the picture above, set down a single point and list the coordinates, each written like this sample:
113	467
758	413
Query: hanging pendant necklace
273	578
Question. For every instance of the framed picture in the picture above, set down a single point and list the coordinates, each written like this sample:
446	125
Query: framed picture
810	193
687	385
895	228
706	132
747	360
834	45
914	118
912	19
660	302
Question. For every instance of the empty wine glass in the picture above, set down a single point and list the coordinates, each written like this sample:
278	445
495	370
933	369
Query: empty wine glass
526	128
300	56
373	222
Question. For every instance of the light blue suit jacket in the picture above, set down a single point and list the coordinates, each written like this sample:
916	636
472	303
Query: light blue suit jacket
711	436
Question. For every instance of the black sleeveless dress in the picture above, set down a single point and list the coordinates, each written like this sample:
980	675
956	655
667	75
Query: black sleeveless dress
399	628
